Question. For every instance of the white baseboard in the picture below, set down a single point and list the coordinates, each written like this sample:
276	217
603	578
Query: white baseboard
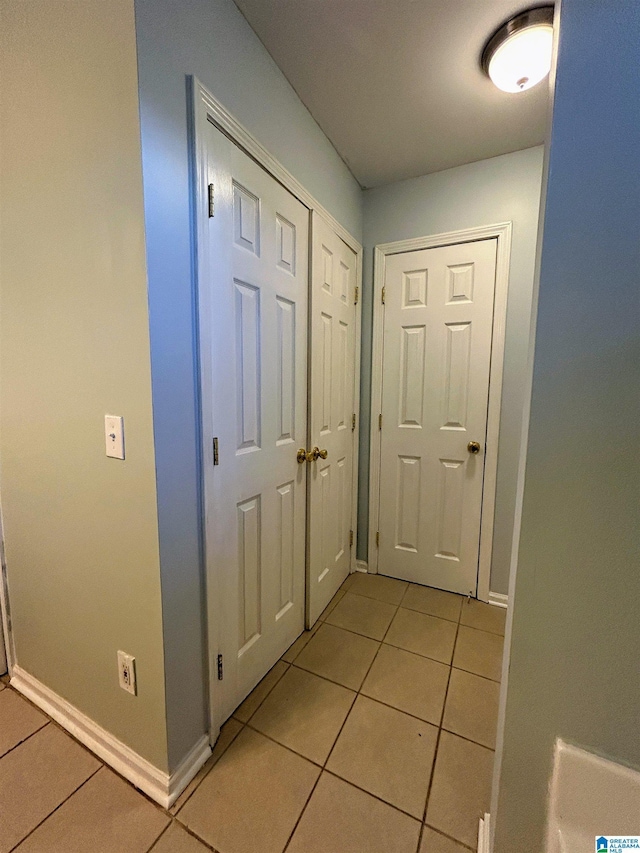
162	787
361	566
484	834
499	599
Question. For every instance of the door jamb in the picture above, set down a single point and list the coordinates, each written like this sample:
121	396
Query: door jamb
502	231
204	108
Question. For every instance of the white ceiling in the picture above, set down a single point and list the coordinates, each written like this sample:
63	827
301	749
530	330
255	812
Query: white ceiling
396	84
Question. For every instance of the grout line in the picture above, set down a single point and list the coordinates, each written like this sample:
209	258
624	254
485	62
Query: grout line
469	740
268	693
374	796
193	834
59	806
164	832
348	630
449	837
25	739
195	788
435	754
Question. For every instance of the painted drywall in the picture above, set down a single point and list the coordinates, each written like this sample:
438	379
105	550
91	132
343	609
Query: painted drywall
505	188
575	643
80	529
209	39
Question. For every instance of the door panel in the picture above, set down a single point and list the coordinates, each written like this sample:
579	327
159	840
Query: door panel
332	400
438	319
255	498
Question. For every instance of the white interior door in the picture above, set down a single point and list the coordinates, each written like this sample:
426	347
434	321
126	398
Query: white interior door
438	317
332	408
254	313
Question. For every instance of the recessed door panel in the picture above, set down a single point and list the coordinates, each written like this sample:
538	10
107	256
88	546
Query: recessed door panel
411	377
456	375
286	369
408	503
249	536
249	409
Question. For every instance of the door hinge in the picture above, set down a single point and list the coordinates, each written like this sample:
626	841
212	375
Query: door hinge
378	539
212	205
384	291
216	457
355	301
220	668
353	422
351	539
380	421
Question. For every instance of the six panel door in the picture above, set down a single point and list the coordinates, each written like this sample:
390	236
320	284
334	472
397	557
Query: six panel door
333	357
438	319
255	497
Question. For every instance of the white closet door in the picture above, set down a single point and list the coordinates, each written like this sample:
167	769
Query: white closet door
332	400
257	375
438	319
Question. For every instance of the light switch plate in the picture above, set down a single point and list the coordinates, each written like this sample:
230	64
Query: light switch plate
114	436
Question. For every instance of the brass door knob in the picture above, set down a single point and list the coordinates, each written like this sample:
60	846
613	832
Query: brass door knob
301	456
316	454
473	447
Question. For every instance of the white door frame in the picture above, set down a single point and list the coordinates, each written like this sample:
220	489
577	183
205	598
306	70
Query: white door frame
206	108
501	231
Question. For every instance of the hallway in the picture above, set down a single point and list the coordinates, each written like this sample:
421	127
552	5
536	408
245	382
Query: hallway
373	734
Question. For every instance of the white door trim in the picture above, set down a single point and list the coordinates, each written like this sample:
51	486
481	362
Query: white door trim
206	108
501	231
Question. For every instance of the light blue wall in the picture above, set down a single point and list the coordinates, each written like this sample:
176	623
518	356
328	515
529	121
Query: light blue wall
210	39
496	190
575	643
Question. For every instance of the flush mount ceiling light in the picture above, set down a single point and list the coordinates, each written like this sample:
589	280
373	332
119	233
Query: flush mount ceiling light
518	55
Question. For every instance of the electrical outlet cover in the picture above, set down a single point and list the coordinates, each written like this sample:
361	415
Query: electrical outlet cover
127	672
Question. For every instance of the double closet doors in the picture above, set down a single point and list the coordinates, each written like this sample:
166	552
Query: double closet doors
278	351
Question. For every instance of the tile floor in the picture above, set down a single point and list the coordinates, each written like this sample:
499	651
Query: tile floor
373	734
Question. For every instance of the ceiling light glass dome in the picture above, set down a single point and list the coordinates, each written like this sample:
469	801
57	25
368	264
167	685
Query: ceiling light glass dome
518	55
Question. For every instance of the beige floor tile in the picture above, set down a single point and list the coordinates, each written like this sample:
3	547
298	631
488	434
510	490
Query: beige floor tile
422	634
106	815
252	798
336	598
410	682
177	840
387	753
485	617
349	580
342	819
338	655
294	650
433	842
479	652
461	790
435	602
36	777
305	713
227	733
380	587
18	720
259	693
472	707
365	616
